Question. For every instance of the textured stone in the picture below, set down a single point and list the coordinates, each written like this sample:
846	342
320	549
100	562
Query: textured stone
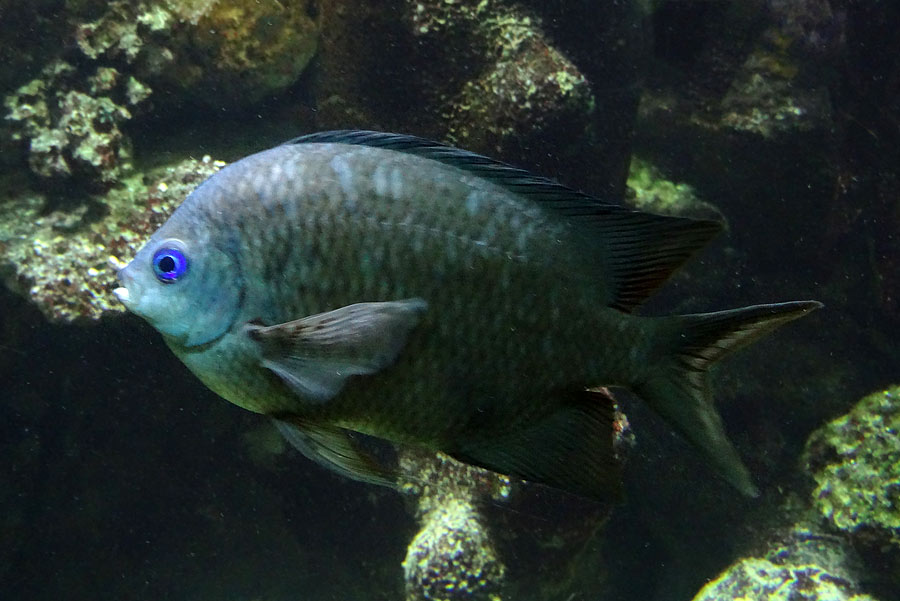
452	557
757	578
65	259
855	461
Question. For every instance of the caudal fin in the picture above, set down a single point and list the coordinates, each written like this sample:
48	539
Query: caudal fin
678	387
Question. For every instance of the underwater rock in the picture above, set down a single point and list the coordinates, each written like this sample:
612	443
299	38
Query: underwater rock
452	557
238	52
480	74
71	133
855	461
649	190
745	71
771	95
768	91
805	564
758	578
470	518
216	53
69	120
500	77
65	259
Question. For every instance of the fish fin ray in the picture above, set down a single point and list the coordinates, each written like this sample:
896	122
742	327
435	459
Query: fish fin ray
333	448
679	388
645	249
570	448
315	355
639	251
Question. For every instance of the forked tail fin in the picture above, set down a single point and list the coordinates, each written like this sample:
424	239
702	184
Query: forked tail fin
678	388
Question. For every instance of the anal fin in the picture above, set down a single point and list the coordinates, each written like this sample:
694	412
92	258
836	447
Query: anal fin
570	448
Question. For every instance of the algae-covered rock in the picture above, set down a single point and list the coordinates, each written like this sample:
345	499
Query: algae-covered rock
453	556
501	77
65	259
238	52
855	461
801	563
758	578
223	52
770	96
481	74
69	119
70	128
649	190
472	520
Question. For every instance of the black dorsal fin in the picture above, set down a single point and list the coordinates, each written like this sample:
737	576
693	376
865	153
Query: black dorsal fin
641	250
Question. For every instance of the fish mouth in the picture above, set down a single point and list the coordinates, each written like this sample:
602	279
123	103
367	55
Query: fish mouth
122	294
125	293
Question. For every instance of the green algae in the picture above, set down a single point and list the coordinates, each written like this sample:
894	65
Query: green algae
652	191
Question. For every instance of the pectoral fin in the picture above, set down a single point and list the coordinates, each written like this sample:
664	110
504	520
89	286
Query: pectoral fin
332	448
316	355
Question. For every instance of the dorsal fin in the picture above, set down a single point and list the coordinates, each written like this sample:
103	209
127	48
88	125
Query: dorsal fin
641	250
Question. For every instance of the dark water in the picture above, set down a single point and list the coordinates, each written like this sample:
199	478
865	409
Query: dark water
123	477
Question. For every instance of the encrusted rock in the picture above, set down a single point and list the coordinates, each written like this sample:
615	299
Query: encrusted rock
509	78
223	52
65	260
215	53
649	190
770	94
69	133
758	578
452	557
855	461
482	74
802	563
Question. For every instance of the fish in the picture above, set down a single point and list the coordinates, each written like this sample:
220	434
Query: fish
358	282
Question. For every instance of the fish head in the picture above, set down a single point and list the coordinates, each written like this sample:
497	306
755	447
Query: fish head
184	283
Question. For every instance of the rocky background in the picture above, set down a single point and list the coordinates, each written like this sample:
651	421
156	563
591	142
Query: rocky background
124	478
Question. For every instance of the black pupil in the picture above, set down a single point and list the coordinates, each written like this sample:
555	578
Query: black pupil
167	264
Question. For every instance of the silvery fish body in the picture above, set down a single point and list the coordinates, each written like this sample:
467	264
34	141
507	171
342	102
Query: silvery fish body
357	281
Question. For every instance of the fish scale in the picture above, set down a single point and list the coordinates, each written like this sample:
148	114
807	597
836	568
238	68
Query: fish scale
340	237
389	285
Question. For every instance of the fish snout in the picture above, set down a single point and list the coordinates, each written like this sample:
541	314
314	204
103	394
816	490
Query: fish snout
127	293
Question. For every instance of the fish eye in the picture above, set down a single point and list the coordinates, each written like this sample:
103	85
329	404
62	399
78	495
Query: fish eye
169	264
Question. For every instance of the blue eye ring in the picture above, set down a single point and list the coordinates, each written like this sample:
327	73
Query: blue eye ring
169	264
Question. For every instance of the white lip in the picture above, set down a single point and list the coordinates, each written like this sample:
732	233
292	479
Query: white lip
122	294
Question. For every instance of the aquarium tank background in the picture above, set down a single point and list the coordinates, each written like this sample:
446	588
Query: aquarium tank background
124	477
